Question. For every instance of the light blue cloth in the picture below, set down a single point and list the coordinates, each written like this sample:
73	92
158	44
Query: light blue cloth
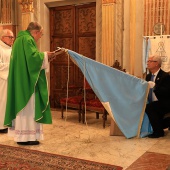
125	93
146	128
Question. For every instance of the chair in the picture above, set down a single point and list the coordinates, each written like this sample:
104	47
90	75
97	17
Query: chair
95	104
90	102
77	102
72	102
116	65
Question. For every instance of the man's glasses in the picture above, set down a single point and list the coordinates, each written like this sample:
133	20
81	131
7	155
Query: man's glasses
40	33
151	61
10	37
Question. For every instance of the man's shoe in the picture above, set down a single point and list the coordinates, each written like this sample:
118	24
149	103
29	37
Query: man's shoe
156	135
29	143
22	143
4	130
33	143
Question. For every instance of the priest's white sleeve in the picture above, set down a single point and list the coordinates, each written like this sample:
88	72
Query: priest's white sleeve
4	68
45	64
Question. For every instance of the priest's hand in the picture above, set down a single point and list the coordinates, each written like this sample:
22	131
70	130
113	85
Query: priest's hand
59	51
53	54
50	56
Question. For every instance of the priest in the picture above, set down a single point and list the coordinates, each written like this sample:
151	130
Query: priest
28	105
6	42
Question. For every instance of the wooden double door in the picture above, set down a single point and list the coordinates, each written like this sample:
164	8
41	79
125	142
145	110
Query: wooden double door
73	28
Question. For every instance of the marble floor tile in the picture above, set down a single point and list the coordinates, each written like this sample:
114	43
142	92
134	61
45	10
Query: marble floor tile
90	141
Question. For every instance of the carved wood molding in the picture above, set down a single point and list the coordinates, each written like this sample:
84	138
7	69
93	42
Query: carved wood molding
26	5
108	1
6	12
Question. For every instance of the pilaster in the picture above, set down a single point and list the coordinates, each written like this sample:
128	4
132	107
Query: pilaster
108	20
132	34
27	10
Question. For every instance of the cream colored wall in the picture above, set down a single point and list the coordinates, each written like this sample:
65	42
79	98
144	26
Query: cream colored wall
133	37
139	38
126	36
44	20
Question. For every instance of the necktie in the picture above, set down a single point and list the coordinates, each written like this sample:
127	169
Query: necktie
151	90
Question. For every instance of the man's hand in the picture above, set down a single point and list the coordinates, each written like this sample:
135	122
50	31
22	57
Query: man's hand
151	84
59	51
53	54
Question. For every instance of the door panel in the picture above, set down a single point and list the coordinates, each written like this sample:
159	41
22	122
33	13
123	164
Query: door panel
86	30
74	28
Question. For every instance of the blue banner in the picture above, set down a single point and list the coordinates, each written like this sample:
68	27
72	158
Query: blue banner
124	96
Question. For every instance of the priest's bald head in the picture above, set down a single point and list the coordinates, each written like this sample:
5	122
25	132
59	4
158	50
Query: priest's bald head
36	30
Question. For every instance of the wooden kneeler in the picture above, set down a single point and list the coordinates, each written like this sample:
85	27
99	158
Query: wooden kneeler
114	129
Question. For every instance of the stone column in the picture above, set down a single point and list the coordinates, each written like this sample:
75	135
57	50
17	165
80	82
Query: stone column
99	31
108	16
136	37
26	12
132	34
133	37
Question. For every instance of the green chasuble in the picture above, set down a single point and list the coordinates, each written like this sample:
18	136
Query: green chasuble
25	79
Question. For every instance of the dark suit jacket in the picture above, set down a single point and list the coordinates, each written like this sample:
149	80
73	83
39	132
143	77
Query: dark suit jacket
162	85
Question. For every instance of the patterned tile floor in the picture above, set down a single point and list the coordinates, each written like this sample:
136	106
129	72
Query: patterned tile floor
90	141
